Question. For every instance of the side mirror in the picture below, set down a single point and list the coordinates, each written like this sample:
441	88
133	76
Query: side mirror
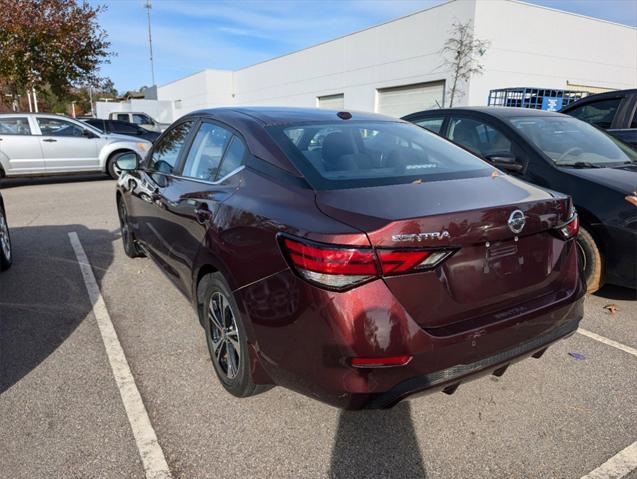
88	134
127	162
505	161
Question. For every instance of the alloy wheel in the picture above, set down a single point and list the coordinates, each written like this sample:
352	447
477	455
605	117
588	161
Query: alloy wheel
5	241
224	335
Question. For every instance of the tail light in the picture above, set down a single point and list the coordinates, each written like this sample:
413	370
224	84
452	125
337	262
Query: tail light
569	229
342	267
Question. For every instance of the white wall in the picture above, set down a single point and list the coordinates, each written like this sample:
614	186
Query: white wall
540	47
400	52
204	89
530	46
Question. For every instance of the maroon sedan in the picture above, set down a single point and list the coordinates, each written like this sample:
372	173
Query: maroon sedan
352	257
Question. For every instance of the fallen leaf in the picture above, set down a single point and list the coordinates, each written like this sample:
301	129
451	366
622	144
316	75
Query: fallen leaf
612	308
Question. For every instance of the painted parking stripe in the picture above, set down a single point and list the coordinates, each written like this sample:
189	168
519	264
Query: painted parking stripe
152	456
617	466
610	342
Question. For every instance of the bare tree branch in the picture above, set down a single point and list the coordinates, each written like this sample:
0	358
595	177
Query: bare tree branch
461	53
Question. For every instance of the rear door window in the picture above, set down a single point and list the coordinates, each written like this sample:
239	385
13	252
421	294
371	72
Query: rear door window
167	149
233	157
599	113
15	126
123	117
205	154
59	127
432	124
480	137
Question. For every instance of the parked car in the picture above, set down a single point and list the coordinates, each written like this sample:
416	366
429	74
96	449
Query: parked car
139	118
6	256
613	111
122	128
37	144
562	153
380	262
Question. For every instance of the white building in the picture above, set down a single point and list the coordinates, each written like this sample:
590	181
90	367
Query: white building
397	67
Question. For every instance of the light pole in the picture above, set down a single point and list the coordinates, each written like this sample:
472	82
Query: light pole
148	6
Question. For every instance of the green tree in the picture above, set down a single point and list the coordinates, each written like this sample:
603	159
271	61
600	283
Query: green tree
50	45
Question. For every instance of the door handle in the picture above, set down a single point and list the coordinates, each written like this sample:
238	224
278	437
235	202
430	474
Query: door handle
202	214
49	140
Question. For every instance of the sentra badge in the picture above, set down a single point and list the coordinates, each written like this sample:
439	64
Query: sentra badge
434	235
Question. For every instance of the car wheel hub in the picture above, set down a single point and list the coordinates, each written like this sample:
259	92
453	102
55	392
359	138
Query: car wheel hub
224	335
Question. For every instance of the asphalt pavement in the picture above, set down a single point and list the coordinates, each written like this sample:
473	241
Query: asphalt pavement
62	415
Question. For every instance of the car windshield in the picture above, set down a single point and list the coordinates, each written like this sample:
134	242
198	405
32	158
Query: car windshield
352	154
571	142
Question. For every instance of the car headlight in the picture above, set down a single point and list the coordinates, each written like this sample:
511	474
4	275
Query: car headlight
142	146
632	199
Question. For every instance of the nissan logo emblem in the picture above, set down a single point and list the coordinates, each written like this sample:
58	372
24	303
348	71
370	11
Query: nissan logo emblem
516	221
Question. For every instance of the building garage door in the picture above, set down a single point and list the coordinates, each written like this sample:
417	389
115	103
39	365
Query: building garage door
399	101
331	102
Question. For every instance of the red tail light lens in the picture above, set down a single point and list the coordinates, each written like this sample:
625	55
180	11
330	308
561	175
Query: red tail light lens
337	268
569	229
342	267
403	261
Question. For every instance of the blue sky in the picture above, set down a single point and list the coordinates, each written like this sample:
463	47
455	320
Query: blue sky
190	35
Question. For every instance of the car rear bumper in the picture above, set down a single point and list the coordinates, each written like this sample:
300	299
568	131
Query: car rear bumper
304	338
449	379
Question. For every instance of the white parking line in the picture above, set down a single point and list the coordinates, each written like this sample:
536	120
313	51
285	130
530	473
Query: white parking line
610	342
152	456
617	466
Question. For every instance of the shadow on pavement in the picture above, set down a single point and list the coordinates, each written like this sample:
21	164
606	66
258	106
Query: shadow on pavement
617	293
377	444
52	180
42	296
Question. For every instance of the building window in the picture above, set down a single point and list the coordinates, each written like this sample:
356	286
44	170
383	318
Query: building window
331	102
402	100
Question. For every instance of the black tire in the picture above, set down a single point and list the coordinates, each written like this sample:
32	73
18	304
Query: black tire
6	252
131	248
591	261
110	165
222	347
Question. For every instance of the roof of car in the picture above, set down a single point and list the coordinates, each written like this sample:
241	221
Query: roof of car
601	96
22	113
271	115
497	111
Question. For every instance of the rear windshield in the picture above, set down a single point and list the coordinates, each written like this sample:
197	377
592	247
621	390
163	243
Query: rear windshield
352	154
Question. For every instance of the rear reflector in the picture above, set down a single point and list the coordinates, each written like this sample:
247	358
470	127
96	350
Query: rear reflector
342	267
381	362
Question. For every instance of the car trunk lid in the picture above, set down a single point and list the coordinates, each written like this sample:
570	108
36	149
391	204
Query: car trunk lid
497	264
